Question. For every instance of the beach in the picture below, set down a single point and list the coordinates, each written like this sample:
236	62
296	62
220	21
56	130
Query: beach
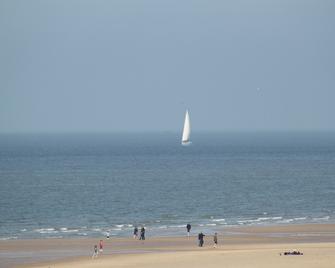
263	196
253	246
205	125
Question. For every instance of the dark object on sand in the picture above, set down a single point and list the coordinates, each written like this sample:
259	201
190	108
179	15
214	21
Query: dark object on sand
293	253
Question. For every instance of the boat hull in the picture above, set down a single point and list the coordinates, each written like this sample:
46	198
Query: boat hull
186	143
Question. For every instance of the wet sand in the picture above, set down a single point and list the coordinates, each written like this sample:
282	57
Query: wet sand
238	247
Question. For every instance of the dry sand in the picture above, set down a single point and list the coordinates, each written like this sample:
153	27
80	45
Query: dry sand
315	255
238	247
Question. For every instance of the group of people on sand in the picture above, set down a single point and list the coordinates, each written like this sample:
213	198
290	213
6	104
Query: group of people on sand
201	236
140	234
95	249
188	228
201	239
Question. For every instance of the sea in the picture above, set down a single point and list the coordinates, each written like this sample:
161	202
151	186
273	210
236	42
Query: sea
91	185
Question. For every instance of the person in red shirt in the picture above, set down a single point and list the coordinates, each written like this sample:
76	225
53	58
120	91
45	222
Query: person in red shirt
101	246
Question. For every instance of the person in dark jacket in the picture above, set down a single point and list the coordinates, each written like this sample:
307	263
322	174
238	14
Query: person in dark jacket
135	232
142	237
188	228
201	239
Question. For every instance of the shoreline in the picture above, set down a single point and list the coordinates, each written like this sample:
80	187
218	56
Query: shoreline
35	252
217	225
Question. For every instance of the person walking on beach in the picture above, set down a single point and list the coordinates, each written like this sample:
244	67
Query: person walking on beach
142	237
201	239
188	227
101	246
95	252
135	232
215	238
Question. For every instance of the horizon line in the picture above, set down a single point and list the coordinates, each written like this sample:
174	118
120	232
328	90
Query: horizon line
171	131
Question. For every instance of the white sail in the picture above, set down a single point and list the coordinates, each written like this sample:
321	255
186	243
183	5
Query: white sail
187	130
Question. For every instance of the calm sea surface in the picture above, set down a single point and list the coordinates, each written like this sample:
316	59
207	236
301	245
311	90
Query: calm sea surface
86	185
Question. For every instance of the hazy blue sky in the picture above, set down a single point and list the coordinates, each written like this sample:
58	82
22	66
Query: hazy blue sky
135	65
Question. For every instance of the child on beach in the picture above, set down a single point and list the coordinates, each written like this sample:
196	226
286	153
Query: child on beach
95	252
215	238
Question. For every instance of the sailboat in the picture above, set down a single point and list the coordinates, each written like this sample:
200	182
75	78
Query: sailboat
186	131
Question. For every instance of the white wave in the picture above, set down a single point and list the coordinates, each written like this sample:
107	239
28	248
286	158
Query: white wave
216	220
258	220
201	225
276	218
84	234
46	231
63	229
326	218
23	230
117	229
162	227
119	225
96	230
70	231
210	224
300	218
263	218
130	225
177	226
8	238
246	221
286	221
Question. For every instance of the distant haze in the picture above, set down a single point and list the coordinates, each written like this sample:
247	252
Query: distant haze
68	66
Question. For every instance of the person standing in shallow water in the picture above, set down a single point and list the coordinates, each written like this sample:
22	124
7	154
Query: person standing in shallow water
135	232
142	237
188	228
201	239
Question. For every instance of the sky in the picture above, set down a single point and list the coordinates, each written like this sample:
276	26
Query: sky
105	66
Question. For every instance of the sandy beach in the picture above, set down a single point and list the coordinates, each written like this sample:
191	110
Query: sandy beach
238	247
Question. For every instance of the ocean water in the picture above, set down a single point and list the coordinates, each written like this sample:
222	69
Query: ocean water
84	185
